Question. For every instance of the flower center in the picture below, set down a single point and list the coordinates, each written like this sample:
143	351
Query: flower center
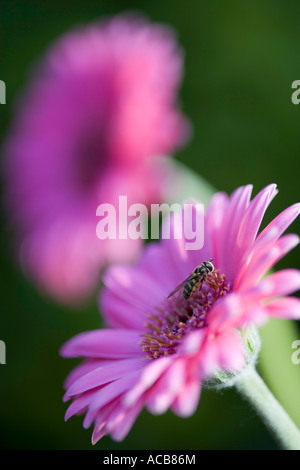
178	316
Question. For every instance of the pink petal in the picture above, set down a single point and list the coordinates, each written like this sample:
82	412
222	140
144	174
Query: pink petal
262	261
192	342
277	284
98	433
79	405
187	400
120	428
287	307
99	429
157	263
112	344
121	314
108	397
281	222
86	366
149	376
221	351
100	417
230	351
132	287
267	238
238	203
262	247
249	225
237	311
113	390
102	375
183	258
225	313
215	220
167	387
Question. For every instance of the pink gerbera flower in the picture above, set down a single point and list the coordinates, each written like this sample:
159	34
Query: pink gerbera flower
101	104
156	352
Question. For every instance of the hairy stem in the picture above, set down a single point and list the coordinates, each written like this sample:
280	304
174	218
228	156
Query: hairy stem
252	387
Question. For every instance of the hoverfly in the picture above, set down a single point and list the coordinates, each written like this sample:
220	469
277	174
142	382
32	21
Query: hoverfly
191	283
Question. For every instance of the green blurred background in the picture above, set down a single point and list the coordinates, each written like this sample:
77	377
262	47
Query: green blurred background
240	61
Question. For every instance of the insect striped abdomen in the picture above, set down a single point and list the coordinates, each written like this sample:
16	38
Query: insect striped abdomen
190	287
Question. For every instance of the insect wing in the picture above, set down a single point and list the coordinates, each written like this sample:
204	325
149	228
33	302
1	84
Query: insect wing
180	285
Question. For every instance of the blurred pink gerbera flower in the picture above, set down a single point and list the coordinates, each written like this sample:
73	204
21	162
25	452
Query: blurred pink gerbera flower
158	351
100	105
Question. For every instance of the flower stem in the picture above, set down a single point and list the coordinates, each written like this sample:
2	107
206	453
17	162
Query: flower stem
252	387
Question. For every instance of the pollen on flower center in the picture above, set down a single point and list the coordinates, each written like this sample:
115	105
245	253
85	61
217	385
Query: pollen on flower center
178	316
